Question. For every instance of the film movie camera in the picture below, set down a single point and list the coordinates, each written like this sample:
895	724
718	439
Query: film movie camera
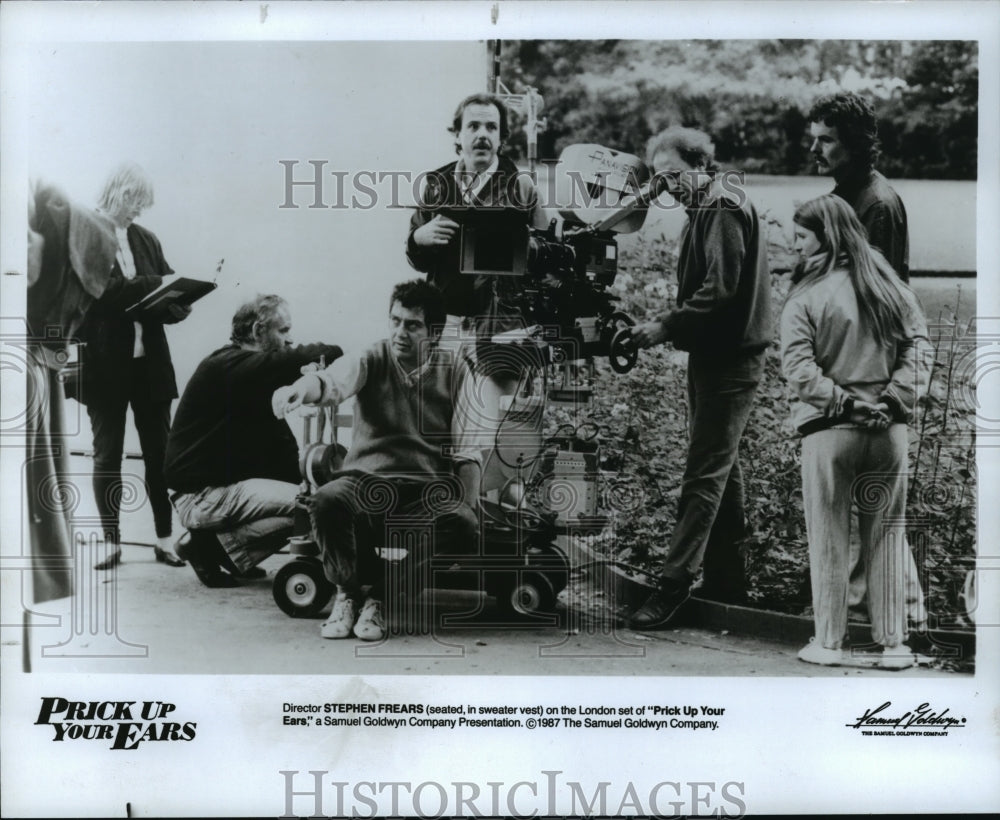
560	280
564	272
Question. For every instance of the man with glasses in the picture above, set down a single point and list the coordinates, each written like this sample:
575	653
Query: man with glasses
722	318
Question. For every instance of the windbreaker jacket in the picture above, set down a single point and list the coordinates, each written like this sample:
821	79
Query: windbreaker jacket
828	356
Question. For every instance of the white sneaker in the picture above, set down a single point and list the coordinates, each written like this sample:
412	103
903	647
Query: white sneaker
896	657
342	618
815	652
371	622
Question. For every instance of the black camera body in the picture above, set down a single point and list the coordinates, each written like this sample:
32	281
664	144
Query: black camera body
566	291
564	273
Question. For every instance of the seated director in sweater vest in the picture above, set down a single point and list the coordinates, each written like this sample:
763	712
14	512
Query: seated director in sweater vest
401	467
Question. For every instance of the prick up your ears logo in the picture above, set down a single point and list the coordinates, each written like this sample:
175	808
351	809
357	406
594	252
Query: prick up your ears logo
126	723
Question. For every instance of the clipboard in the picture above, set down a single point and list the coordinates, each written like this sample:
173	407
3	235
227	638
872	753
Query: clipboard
179	291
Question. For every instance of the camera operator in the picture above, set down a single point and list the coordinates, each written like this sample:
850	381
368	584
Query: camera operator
480	305
723	319
480	178
233	469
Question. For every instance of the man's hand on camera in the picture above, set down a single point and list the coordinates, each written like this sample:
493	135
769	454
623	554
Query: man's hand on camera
306	390
649	334
439	231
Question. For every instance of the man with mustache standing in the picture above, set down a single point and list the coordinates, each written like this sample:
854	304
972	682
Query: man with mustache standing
480	178
481	305
845	145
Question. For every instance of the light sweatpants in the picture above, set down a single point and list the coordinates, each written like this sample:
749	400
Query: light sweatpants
857	592
841	466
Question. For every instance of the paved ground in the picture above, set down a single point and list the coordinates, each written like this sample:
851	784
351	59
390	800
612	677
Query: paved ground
162	620
147	617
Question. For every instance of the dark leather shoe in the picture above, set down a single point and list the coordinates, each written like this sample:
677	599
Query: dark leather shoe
217	579
660	608
112	560
253	574
167	557
201	552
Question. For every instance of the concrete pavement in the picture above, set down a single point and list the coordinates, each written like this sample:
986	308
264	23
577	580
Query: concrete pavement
159	619
147	617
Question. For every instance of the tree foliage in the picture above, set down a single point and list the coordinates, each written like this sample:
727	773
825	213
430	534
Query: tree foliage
642	416
753	96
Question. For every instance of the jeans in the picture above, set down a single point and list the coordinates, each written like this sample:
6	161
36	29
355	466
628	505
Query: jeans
107	422
841	466
710	515
355	513
250	518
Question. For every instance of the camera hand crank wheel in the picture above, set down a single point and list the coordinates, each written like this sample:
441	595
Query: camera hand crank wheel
622	352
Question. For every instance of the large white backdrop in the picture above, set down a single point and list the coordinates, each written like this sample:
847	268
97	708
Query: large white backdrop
213	123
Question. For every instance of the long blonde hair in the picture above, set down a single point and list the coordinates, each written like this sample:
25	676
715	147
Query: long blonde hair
843	241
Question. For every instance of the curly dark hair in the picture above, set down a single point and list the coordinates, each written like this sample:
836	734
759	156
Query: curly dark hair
480	99
854	118
418	293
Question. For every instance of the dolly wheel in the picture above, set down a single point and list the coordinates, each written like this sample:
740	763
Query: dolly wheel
532	593
301	590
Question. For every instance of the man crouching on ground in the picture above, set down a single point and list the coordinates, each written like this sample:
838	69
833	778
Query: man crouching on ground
404	422
232	468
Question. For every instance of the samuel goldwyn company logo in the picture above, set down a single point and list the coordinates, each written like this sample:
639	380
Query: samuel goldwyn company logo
924	720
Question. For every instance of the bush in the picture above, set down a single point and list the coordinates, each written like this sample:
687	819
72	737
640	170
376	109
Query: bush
642	416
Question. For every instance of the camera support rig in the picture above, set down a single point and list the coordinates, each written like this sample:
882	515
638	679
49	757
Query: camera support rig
572	264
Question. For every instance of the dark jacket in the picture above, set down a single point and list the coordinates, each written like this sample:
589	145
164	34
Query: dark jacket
109	335
881	211
464	295
77	259
724	288
224	430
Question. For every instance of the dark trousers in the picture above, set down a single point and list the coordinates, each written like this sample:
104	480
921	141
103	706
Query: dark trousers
152	422
356	513
710	517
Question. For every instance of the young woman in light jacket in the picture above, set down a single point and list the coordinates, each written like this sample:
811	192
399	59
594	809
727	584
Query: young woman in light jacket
855	351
